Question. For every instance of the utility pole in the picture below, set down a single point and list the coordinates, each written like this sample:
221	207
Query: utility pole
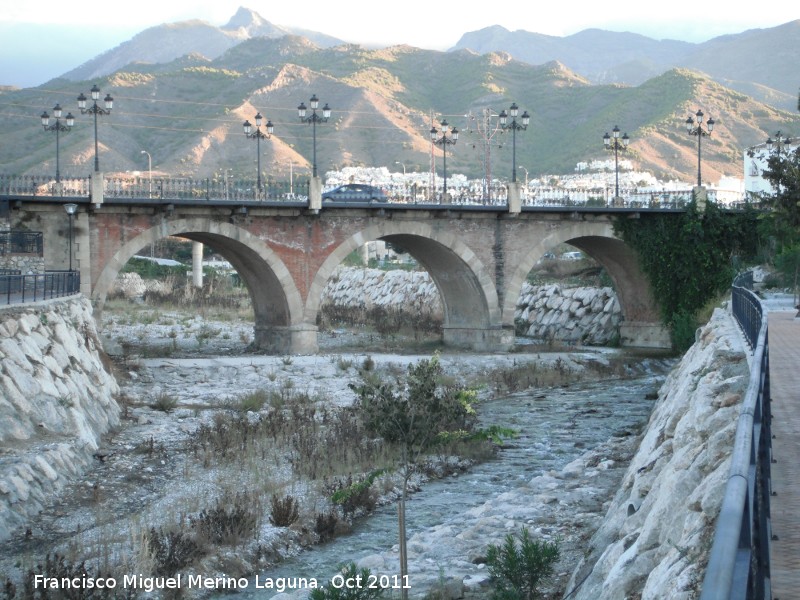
487	130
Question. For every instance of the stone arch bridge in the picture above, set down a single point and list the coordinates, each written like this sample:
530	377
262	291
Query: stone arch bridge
478	258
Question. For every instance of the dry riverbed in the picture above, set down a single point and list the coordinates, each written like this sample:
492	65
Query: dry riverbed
182	461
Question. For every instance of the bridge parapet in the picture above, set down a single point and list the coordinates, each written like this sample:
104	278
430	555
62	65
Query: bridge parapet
512	197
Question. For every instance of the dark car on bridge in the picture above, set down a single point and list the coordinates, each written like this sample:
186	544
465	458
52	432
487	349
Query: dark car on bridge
355	192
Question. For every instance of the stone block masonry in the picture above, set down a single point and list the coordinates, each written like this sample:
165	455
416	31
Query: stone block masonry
56	400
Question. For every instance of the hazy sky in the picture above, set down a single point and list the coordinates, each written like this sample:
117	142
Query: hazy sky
422	23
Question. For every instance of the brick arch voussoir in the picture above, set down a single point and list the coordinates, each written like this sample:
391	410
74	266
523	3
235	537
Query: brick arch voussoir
112	268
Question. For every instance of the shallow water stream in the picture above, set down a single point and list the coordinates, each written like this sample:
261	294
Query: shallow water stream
555	427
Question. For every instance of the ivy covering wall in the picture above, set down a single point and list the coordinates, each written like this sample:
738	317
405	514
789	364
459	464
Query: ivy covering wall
689	258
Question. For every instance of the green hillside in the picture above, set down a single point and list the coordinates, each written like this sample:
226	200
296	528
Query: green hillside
188	114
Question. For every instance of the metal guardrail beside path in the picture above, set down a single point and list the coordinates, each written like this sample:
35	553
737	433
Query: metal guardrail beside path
18	289
738	566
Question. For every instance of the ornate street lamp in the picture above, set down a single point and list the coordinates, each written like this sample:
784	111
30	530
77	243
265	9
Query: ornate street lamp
71	210
95	110
513	111
696	128
444	141
314	118
58	127
779	144
258	135
615	143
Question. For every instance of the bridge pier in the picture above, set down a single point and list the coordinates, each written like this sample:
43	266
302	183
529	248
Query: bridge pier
644	334
294	339
489	339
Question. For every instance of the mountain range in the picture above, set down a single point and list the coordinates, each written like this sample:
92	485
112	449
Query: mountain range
183	90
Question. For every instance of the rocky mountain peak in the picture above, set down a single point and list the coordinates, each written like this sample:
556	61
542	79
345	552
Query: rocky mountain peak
254	25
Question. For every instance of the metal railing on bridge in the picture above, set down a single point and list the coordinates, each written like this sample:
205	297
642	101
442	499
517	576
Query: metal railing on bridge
488	196
738	566
18	289
143	188
205	189
21	242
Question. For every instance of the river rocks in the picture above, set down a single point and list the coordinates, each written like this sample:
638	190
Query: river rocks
589	316
362	289
585	315
656	535
131	285
56	400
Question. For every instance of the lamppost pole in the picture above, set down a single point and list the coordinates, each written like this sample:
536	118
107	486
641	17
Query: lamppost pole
513	111
444	141
58	128
71	210
258	135
95	110
314	118
615	143
526	175
696	128
149	173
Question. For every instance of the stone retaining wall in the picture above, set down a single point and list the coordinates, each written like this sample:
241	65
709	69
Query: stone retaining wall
57	397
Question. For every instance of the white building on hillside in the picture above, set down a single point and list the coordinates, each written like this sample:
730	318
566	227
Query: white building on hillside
755	163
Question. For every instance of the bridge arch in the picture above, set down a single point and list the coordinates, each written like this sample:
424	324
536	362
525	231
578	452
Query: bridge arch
641	324
277	304
469	298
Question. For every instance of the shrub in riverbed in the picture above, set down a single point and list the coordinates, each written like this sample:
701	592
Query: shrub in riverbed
231	521
518	570
164	402
325	525
285	511
172	550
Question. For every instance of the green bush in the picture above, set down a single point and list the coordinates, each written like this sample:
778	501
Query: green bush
517	570
285	511
682	330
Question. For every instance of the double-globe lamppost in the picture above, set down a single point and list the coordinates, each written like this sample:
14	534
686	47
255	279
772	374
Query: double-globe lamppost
616	143
695	127
514	126
58	127
95	110
258	135
313	118
778	145
444	141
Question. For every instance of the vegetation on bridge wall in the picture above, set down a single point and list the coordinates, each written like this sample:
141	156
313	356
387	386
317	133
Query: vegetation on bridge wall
689	258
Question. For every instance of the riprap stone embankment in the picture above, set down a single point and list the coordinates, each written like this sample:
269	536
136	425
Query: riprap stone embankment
552	312
57	398
655	538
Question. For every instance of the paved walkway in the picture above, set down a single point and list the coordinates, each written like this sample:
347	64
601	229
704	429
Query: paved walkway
784	358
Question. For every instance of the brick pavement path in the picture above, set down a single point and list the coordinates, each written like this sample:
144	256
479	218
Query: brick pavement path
784	358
